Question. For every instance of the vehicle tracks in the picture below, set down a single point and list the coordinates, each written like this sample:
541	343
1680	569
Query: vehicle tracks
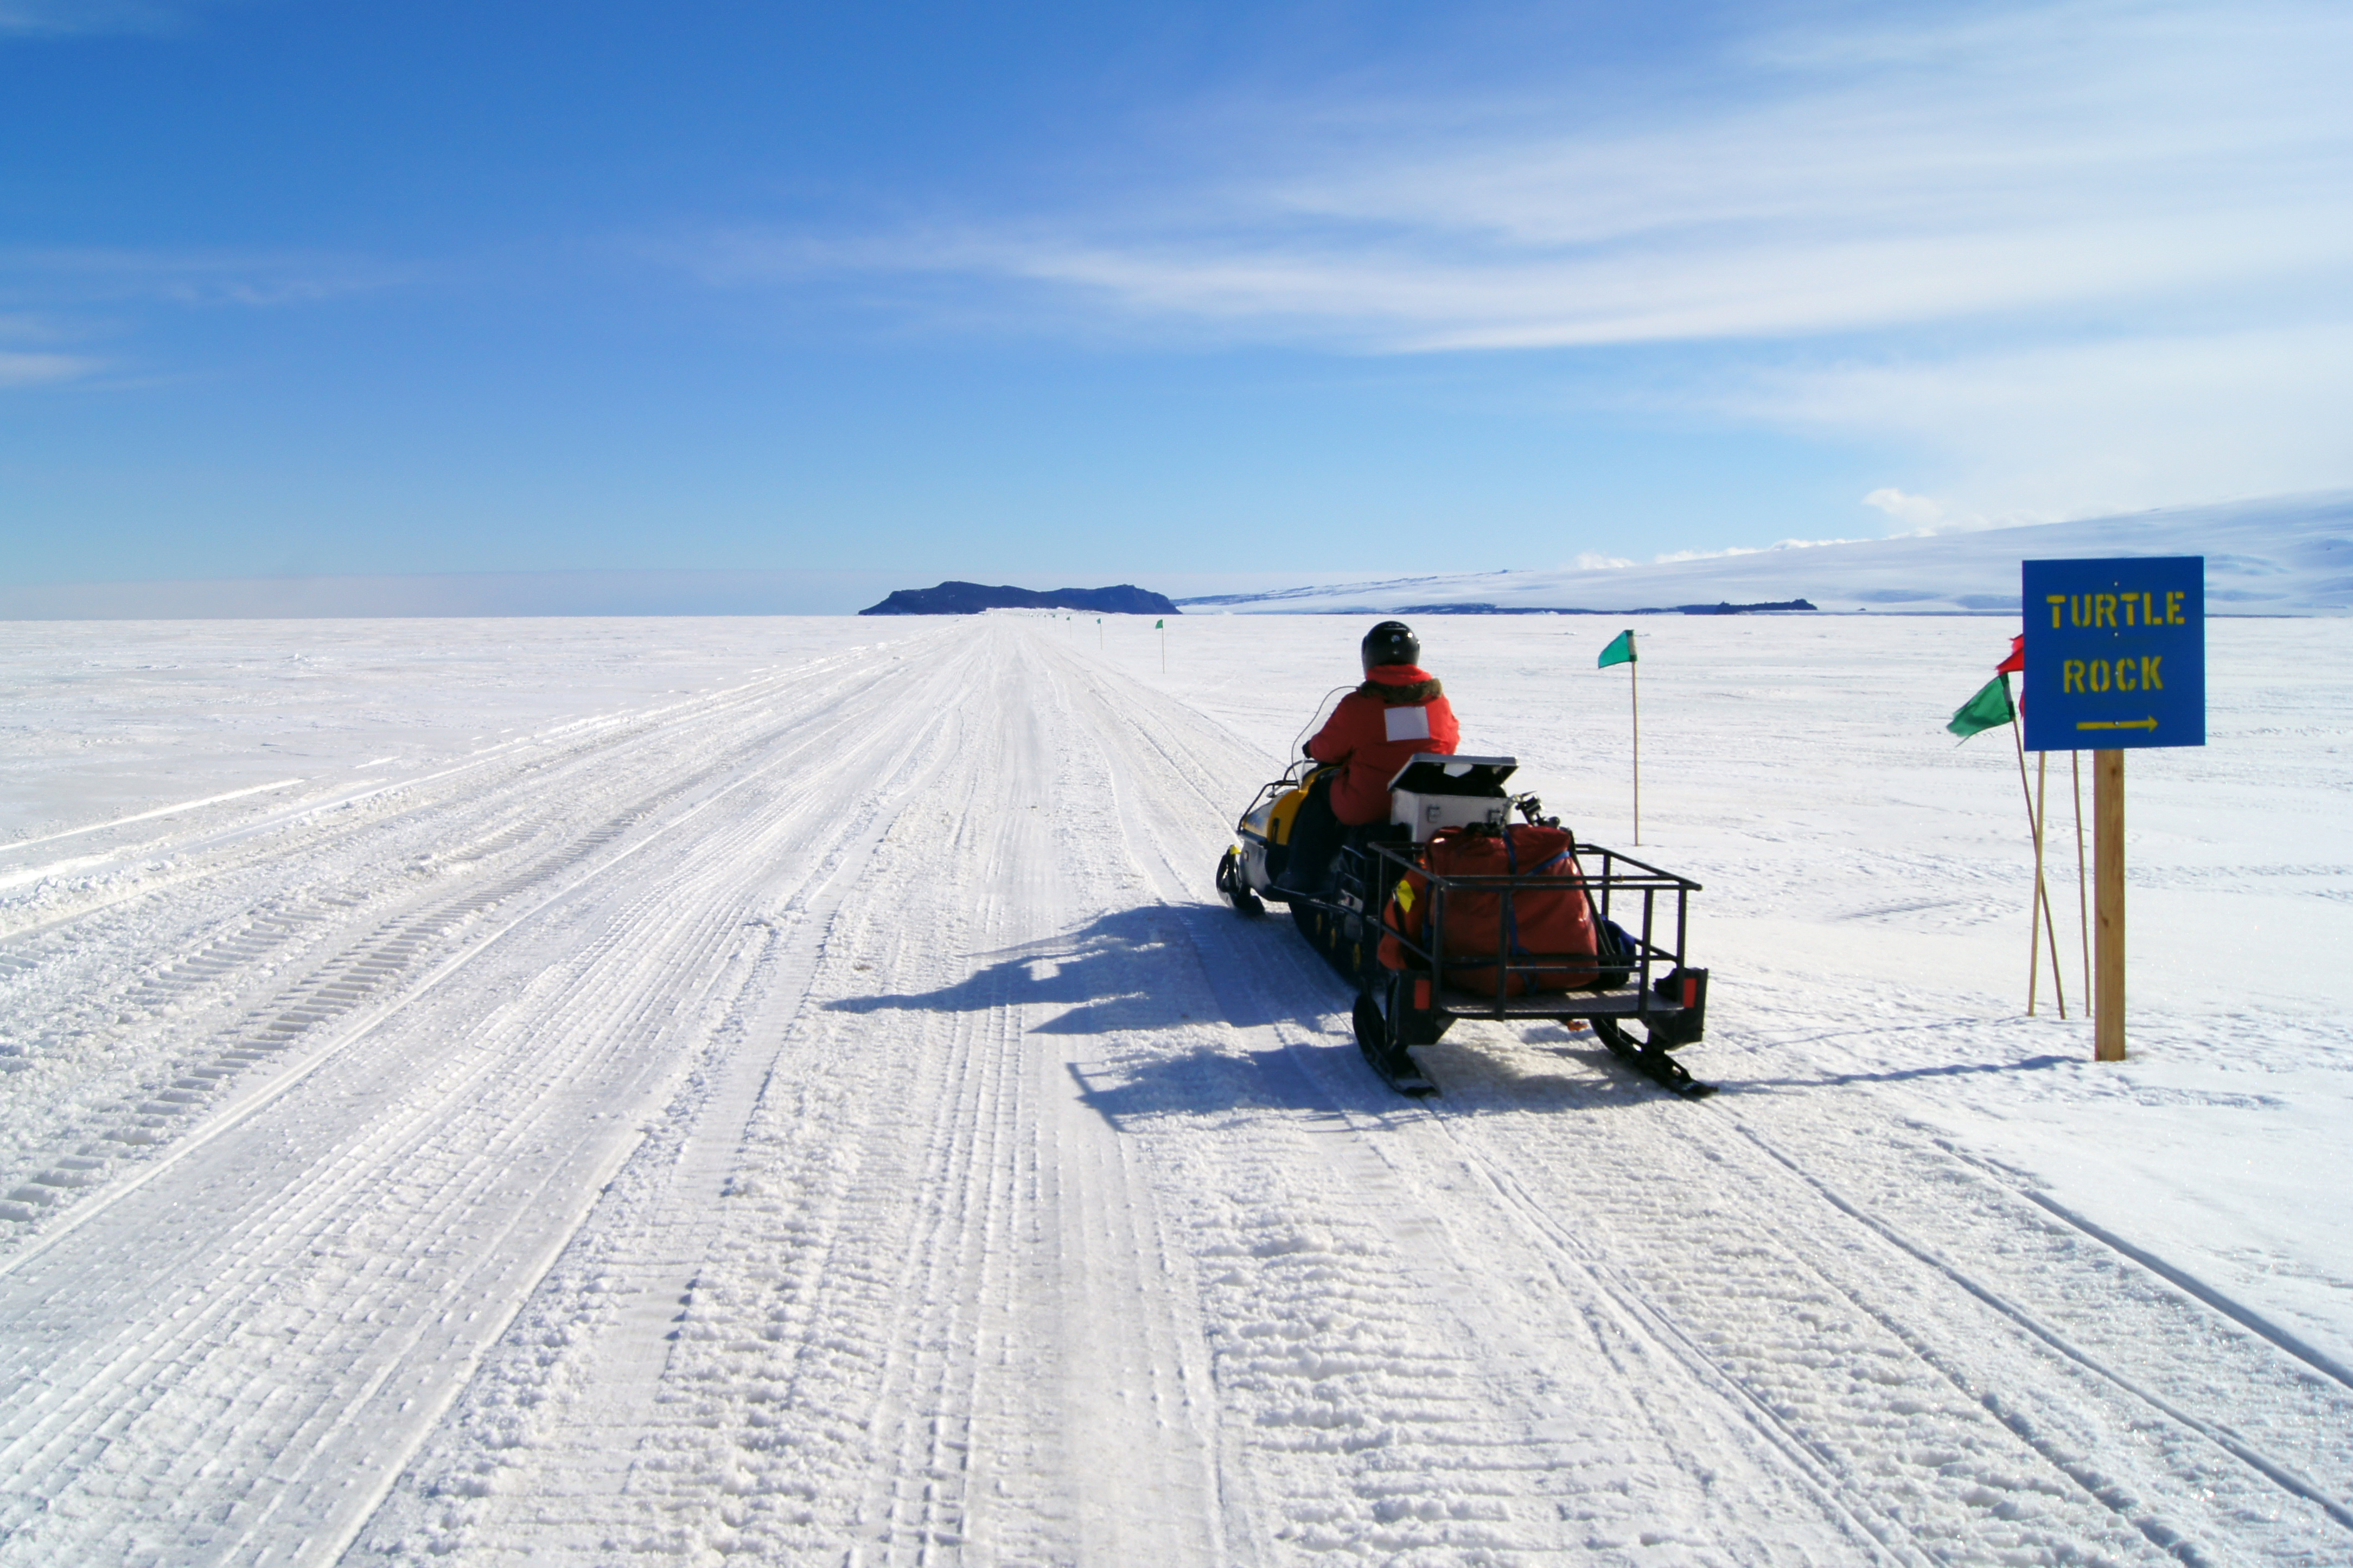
1728	1271
461	1147
834	1121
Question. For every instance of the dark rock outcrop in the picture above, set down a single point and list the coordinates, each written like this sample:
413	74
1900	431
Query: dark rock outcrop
970	598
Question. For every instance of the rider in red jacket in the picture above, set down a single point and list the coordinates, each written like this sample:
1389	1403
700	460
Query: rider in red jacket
1399	711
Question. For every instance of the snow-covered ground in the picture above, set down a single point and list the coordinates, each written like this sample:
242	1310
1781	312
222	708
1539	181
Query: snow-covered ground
2282	555
574	1091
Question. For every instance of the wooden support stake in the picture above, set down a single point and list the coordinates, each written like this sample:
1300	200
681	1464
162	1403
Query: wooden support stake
2082	877
2108	904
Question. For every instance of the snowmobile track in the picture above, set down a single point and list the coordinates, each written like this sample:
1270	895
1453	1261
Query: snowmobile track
2153	1506
399	1175
2170	1505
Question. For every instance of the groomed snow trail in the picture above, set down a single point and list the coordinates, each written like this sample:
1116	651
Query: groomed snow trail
830	1120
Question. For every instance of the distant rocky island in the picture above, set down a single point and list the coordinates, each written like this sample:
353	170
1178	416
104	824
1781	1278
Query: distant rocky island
971	598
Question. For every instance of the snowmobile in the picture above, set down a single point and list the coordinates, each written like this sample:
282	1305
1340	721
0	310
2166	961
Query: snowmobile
1542	926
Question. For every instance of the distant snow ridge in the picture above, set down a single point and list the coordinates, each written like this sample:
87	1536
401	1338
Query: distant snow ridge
2281	556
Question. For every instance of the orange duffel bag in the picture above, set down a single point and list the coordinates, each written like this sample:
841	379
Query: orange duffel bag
1548	920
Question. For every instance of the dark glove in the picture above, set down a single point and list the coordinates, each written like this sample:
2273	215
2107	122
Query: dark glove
1308	750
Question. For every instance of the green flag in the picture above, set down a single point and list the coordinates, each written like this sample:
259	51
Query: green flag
1619	651
1160	625
1989	710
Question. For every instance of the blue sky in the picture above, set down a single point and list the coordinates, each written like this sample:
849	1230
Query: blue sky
1059	293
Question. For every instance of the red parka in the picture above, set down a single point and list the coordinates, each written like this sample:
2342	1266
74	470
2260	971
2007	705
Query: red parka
1399	711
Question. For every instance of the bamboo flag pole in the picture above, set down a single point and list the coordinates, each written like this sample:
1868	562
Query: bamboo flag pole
2041	924
1992	708
1622	651
2034	910
2042	889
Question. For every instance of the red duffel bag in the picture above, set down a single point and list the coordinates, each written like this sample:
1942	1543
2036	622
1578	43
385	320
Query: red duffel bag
1549	920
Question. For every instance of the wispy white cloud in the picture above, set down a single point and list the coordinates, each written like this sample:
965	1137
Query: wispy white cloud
52	18
35	349
2045	432
1923	514
54	276
55	302
19	369
2081	256
1671	557
2111	156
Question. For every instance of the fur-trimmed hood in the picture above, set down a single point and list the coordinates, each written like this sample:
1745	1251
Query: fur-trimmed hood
1401	685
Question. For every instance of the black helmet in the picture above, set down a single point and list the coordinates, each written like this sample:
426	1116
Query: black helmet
1391	642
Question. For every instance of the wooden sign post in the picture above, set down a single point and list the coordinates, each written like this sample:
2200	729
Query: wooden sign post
2116	658
2108	951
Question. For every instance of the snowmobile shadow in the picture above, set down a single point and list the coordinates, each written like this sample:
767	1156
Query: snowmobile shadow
1137	968
1156	971
1484	1068
1235	1087
1896	1075
1477	1075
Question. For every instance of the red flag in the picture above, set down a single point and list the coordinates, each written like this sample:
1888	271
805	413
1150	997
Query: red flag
2016	662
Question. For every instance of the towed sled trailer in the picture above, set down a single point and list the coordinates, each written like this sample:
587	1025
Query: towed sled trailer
1634	986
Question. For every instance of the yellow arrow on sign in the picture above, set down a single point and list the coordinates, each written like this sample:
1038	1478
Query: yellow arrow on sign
2149	724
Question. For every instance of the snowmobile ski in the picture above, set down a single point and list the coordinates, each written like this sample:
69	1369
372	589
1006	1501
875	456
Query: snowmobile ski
1391	1061
1235	887
1651	1059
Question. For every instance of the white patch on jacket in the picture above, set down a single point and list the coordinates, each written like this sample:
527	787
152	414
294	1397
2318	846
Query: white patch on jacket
1407	724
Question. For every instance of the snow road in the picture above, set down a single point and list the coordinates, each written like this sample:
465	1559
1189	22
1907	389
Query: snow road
824	1116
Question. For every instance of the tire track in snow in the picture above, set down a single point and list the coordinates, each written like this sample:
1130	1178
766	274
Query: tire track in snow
1508	1441
988	1397
2151	1343
1548	1315
1143	1393
433	1195
647	1251
1676	1244
2274	1470
395	1181
1846	1343
336	988
124	1060
2148	1352
952	1288
891	1347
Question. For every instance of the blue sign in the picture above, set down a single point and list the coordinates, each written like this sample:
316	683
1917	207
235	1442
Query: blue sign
2116	653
